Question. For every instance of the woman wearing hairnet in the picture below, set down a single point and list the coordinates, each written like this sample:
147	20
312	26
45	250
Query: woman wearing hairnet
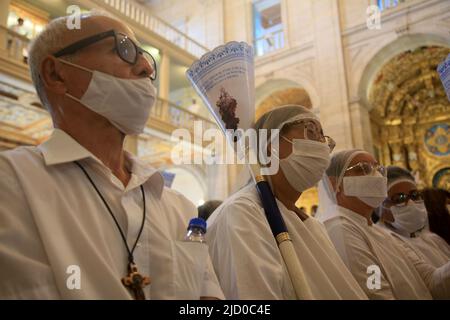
404	215
244	252
383	265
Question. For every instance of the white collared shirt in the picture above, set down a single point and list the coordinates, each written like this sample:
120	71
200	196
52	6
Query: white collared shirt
426	244
51	219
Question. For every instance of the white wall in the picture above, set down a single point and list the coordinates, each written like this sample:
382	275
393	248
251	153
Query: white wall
201	20
188	184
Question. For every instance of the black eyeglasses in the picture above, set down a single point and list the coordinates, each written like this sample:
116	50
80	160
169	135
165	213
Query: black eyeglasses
401	199
126	49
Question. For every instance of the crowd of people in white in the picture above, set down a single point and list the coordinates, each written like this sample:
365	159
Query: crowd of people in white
80	199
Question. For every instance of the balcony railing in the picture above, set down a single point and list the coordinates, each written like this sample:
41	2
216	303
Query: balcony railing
25	122
178	117
14	44
269	42
142	16
17	44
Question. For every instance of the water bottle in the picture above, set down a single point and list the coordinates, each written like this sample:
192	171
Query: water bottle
196	231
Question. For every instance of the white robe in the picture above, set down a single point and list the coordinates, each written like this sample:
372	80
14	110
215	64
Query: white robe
249	265
427	245
404	275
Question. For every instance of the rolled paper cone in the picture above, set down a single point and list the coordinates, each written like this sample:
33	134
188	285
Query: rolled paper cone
444	73
224	79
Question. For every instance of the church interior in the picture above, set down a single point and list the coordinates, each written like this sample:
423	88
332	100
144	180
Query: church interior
374	87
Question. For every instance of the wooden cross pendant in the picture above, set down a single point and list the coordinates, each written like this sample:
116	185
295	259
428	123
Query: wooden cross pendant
135	282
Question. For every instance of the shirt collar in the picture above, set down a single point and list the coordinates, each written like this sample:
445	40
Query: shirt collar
357	218
403	233
62	148
144	173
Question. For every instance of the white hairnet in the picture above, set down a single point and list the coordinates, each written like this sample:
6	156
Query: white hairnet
340	161
397	175
278	118
274	119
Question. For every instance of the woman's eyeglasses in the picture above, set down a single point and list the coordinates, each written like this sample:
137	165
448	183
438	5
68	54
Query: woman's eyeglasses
126	49
367	168
312	131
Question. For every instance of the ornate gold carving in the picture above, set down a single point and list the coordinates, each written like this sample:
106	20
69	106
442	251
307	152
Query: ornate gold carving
408	100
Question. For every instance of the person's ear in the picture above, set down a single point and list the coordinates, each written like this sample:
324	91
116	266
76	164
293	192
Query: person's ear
53	75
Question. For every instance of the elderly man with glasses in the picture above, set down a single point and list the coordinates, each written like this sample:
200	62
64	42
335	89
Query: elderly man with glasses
80	217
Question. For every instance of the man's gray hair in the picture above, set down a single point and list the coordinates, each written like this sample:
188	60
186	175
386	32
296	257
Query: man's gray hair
49	41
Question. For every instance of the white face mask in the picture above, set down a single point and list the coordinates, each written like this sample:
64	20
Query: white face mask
372	190
304	167
410	218
125	103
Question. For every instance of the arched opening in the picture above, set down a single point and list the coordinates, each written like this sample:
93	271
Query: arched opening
283	97
410	114
275	93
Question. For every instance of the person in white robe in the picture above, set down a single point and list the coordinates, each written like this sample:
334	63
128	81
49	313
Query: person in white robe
244	252
404	215
385	268
80	218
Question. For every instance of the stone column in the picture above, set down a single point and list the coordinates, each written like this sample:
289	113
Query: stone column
164	82
330	72
238	11
361	127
